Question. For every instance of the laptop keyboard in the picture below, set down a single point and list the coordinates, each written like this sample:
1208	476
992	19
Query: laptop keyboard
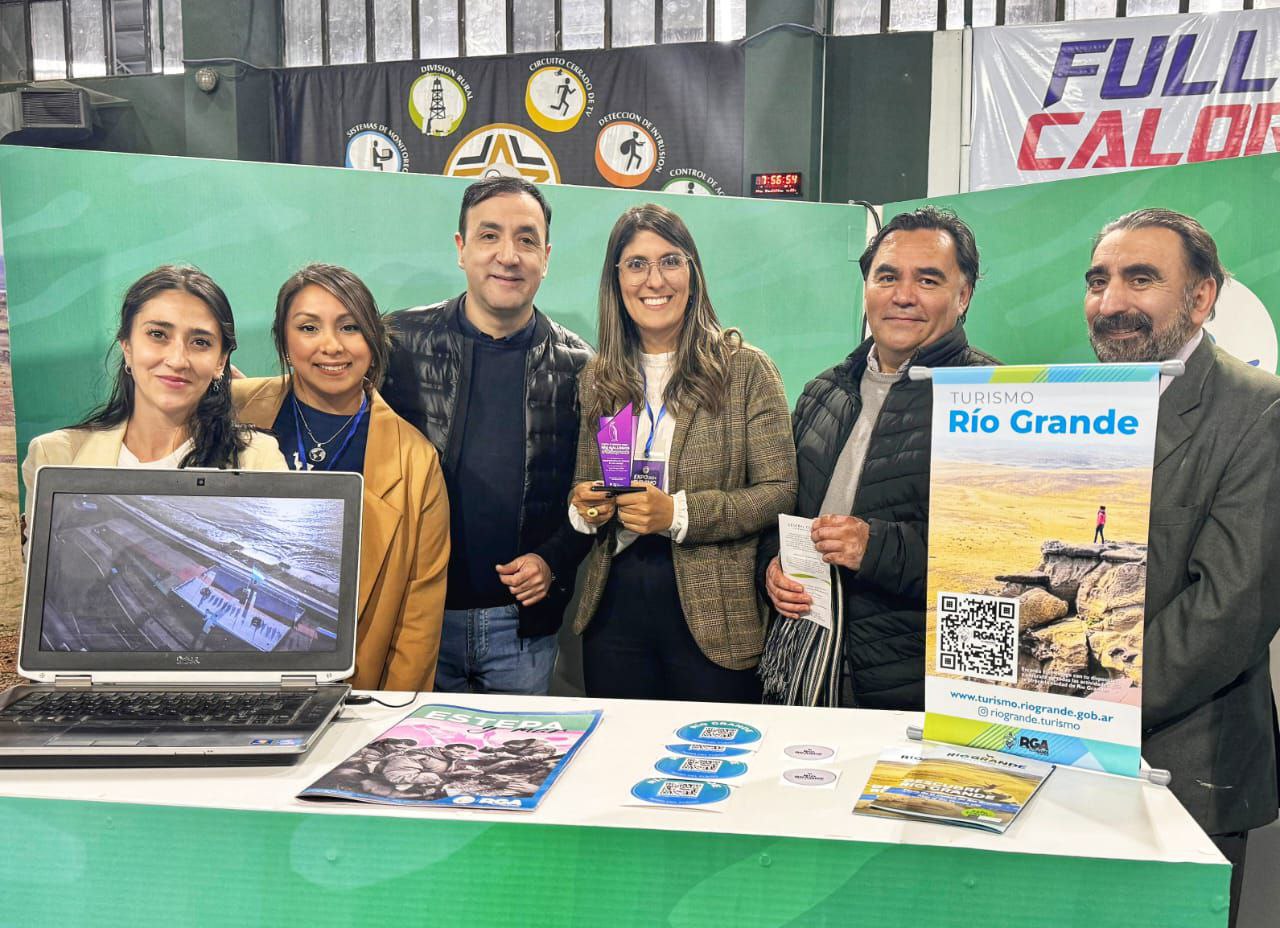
134	708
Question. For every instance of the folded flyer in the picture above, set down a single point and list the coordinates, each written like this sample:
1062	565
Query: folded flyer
457	757
956	786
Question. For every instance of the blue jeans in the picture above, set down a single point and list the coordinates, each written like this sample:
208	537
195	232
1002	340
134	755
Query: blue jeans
481	651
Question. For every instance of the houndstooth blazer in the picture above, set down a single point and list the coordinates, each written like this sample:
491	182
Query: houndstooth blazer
738	471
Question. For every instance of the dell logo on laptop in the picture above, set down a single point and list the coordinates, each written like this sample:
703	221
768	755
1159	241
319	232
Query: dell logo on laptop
187	659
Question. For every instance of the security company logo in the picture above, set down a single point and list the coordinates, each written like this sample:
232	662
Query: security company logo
503	149
1243	327
374	147
438	100
629	149
692	182
558	94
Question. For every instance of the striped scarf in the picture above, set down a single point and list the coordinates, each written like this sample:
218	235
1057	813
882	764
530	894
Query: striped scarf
801	661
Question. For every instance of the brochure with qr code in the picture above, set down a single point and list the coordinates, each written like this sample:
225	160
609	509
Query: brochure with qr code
1040	497
451	756
953	786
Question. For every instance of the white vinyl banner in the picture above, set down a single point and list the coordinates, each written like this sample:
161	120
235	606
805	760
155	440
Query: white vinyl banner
1078	99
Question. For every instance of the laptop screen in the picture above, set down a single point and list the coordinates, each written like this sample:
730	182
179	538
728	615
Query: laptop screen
191	574
159	572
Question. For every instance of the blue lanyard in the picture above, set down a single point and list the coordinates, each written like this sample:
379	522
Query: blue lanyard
653	423
353	428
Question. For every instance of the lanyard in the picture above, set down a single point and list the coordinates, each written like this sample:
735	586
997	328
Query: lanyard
653	423
354	427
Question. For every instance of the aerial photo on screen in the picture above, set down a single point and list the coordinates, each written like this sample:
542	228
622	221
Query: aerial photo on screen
182	573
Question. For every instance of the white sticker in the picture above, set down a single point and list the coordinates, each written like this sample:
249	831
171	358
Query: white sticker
810	777
809	753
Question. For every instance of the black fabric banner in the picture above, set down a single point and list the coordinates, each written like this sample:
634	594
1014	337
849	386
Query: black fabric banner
666	117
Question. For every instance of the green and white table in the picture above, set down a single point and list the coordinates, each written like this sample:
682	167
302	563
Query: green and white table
215	847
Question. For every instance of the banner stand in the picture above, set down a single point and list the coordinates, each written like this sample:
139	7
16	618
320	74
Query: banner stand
1173	368
1154	774
1063	623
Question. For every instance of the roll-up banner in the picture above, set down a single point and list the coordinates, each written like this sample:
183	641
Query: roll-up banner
1039	500
668	117
1076	99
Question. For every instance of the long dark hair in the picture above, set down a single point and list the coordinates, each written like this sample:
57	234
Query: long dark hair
216	437
351	292
701	370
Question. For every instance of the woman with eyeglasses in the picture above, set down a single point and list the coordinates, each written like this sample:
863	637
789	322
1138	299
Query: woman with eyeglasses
669	608
170	405
328	415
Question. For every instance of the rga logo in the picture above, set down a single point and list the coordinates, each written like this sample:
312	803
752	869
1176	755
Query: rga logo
502	149
692	182
1034	745
438	100
463	800
629	149
558	94
375	147
1243	327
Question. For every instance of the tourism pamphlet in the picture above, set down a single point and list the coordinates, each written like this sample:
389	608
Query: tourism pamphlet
457	757
952	785
889	770
802	562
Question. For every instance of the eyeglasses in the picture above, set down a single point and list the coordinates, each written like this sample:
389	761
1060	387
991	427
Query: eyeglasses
672	265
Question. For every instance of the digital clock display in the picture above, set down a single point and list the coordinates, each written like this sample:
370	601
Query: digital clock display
777	184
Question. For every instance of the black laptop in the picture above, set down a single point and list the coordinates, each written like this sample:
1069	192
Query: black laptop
182	617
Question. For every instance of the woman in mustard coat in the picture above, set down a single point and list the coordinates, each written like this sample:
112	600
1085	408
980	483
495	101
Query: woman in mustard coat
327	415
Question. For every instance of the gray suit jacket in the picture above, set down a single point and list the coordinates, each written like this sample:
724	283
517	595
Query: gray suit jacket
1213	591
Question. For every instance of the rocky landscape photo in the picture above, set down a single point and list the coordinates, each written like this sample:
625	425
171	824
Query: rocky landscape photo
1026	533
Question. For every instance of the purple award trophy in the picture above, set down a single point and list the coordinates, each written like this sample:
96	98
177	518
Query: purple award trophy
615	440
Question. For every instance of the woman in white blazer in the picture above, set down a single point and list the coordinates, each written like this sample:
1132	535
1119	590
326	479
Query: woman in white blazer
171	403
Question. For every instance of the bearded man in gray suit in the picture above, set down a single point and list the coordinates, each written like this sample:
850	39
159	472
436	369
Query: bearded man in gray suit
1213	583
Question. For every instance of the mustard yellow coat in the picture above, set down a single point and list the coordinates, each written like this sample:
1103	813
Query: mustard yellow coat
404	542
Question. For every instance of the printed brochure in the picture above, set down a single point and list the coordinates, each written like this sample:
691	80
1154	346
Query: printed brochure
452	756
952	785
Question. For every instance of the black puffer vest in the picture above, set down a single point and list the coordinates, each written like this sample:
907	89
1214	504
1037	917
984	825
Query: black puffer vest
883	647
427	383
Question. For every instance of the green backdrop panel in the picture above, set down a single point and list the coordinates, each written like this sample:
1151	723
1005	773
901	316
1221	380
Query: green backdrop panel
79	227
1036	242
141	866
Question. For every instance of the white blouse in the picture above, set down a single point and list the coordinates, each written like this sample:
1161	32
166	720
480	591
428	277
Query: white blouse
169	462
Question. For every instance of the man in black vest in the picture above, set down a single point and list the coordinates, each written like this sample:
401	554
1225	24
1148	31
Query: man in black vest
1212	586
862	432
493	383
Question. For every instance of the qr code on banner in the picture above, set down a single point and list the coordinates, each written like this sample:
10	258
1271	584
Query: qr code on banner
680	789
978	636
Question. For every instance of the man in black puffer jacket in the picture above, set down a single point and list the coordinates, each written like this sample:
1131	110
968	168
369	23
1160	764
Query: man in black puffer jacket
862	433
493	383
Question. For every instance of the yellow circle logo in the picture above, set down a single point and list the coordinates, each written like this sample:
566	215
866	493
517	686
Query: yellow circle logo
437	103
555	99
